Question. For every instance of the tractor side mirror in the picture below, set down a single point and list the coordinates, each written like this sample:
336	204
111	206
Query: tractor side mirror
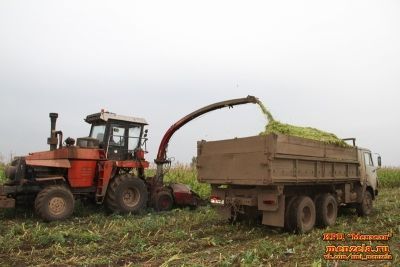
379	161
145	133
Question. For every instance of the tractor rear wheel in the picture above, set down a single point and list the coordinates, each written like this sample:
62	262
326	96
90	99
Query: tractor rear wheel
54	202
126	193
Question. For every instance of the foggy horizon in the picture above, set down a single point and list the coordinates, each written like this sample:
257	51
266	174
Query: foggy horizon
332	66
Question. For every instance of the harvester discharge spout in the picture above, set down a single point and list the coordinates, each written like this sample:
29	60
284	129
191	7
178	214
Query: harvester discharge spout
162	150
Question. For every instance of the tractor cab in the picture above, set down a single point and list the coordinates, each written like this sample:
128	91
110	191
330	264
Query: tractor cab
121	137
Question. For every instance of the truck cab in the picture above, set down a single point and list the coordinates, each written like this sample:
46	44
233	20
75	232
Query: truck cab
368	170
120	136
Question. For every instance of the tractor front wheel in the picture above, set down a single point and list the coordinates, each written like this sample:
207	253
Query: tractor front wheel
54	202
126	193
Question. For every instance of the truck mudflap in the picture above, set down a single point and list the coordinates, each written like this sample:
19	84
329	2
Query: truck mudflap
5	201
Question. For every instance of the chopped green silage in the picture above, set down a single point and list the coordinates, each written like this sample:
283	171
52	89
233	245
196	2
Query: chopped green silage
277	127
305	132
266	111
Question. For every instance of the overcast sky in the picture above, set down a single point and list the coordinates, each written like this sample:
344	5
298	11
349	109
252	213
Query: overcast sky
330	65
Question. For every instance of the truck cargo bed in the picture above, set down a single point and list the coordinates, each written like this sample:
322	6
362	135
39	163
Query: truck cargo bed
275	159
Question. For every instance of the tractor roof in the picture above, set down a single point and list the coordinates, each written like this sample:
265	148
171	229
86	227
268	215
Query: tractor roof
104	116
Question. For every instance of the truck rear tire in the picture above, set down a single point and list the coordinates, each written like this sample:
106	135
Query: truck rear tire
54	203
365	207
126	193
326	208
288	224
303	214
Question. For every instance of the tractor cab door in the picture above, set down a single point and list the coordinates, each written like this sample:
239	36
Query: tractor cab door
134	138
117	143
123	140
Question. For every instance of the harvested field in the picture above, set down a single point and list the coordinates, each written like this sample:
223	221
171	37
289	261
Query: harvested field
183	237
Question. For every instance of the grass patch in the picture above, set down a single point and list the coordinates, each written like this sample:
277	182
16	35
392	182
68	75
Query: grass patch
2	175
188	175
185	237
389	177
185	174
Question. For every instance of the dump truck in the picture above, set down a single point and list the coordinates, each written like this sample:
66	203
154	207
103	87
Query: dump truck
287	181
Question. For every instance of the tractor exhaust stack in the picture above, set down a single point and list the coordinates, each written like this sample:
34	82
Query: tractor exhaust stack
52	140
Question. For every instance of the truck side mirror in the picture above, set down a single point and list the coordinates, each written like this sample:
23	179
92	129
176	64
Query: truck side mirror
379	161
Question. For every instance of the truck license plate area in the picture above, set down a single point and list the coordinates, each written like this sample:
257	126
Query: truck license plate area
246	201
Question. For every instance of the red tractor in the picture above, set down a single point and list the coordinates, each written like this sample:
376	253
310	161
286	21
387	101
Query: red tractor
108	167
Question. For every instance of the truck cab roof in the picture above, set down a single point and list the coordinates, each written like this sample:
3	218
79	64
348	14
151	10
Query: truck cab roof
104	116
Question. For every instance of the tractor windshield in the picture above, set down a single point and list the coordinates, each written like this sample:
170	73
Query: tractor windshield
98	132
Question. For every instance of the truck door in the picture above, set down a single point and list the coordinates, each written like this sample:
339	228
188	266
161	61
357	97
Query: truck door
370	170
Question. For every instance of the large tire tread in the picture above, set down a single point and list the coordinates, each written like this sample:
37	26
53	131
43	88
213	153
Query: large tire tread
42	202
296	216
321	204
363	208
117	185
288	220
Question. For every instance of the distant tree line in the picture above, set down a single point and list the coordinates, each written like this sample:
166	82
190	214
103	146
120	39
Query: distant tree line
2	163
193	162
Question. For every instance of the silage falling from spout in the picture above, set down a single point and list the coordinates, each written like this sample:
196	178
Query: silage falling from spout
265	111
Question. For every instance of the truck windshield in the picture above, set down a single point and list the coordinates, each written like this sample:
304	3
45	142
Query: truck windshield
368	159
98	132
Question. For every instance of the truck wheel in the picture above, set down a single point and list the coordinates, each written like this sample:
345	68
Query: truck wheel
164	201
303	214
54	202
288	224
327	208
126	194
365	207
